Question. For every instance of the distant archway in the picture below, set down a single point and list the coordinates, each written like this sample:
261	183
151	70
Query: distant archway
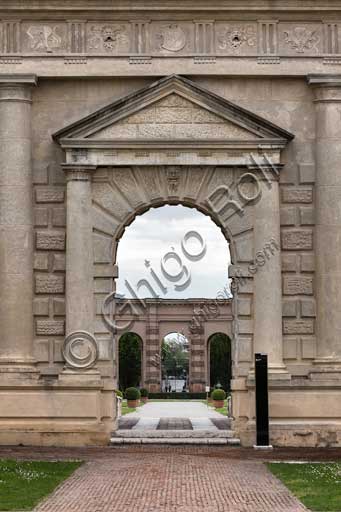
220	361
175	362
130	360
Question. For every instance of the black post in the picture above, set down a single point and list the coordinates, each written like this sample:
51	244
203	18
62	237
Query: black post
262	399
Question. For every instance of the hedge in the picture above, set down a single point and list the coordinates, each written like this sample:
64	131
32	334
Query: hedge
177	396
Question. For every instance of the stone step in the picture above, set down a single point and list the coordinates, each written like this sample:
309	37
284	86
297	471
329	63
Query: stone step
175	434
232	441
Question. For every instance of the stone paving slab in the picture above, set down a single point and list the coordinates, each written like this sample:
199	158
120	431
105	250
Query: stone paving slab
187	408
174	424
170	481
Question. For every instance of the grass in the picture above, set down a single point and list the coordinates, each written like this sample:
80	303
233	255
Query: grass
23	484
221	410
317	485
125	409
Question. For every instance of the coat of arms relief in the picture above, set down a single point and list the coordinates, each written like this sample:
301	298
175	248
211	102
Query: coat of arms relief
172	37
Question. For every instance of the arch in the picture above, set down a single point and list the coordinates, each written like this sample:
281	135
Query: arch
175	362
219	360
130	360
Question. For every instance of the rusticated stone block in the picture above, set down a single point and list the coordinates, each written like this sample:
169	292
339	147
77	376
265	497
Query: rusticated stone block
298	326
297	195
41	307
289	308
297	240
307	216
49	284
308	348
245	349
59	217
41	261
59	307
58	262
297	285
50	327
288	216
308	308
244	307
307	263
50	240
289	262
290	348
41	217
307	173
53	195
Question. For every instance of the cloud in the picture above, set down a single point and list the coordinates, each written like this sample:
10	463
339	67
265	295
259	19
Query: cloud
157	234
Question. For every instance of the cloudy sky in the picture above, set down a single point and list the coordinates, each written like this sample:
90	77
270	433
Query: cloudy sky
152	251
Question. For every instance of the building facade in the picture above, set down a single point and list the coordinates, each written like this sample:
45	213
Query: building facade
109	108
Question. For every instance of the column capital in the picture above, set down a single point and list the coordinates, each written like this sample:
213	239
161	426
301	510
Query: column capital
326	87
16	87
78	172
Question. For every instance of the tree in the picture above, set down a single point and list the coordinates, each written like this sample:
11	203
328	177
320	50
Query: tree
130	347
174	357
220	360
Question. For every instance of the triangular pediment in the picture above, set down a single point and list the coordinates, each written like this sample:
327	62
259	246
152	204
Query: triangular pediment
173	108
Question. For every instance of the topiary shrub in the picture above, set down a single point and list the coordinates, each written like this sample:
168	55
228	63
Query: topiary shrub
132	394
218	394
144	393
118	393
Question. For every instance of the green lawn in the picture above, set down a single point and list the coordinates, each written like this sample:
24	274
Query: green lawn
221	410
317	485
24	483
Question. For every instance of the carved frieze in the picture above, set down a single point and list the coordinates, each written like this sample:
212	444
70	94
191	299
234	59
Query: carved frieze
172	38
44	38
108	38
236	39
300	39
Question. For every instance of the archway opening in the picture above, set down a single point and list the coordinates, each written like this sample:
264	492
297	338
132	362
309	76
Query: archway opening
173	278
220	361
175	363
130	360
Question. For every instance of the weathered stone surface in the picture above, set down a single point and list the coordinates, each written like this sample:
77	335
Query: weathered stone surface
307	216
58	262
59	307
307	173
308	308
297	195
245	349
308	347
298	326
52	195
49	284
50	240
297	240
41	217
288	216
41	261
50	327
307	262
41	307
59	217
289	308
289	262
297	285
290	348
244	307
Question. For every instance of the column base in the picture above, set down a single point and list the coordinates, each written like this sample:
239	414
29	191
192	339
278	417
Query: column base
326	368
275	372
18	366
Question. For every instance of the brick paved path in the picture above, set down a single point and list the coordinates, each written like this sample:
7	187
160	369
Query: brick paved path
170	481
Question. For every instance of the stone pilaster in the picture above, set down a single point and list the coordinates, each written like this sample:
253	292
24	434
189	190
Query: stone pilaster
16	224
267	278
79	249
327	91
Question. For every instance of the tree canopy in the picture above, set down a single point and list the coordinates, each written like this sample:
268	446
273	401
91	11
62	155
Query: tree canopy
130	347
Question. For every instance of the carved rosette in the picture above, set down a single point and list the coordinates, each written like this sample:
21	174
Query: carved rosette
80	350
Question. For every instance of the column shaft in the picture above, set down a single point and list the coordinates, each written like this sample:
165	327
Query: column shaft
79	251
328	218
267	279
16	224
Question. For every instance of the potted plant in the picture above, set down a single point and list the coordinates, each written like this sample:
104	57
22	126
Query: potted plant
218	396
133	396
144	395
